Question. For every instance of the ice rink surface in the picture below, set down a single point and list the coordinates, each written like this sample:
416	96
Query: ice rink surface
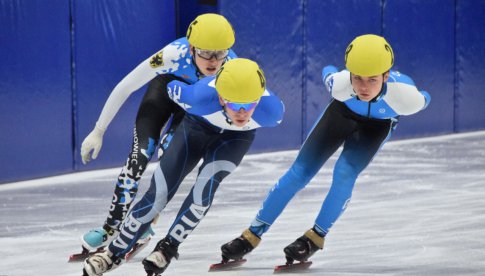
418	209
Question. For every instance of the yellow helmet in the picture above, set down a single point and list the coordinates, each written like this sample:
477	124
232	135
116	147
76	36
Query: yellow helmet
369	55
240	80
211	31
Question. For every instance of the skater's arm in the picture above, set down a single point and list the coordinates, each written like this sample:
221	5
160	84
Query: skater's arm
403	96
159	63
143	73
269	111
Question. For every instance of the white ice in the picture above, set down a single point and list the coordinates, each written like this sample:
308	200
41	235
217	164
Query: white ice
418	209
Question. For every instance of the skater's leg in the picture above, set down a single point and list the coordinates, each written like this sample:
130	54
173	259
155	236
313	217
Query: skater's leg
179	159
359	150
323	140
174	166
154	111
326	136
220	159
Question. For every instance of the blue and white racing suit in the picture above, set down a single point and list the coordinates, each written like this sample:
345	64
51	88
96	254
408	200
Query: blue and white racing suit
205	133
362	127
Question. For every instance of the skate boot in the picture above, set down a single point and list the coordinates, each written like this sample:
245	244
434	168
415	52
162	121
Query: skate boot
304	247
159	259
240	246
99	237
94	241
100	263
147	235
140	244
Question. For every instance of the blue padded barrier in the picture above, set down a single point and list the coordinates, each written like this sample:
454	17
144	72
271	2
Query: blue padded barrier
35	89
422	37
56	76
271	33
470	67
112	38
188	10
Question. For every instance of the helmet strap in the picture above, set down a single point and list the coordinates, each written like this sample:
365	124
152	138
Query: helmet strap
383	90
350	77
197	70
228	120
381	93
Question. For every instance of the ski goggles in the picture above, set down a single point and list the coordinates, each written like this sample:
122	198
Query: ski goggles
237	106
209	54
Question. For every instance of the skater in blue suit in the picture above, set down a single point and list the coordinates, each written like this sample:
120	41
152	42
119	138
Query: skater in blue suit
367	100
222	115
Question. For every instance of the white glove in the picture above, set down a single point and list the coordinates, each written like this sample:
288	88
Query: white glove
92	142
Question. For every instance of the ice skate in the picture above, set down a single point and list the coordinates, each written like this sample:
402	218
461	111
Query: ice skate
140	244
304	247
240	246
100	263
234	251
99	237
300	250
94	241
159	259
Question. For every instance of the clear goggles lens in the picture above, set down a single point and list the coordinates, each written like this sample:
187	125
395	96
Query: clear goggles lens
237	106
209	54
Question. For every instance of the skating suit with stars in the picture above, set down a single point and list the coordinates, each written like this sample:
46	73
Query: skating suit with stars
173	62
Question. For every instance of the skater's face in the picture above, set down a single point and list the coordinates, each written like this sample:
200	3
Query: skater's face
240	114
367	88
208	62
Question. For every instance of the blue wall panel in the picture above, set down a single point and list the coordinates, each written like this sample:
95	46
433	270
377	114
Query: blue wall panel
422	37
470	51
188	10
52	69
35	89
271	33
112	38
329	27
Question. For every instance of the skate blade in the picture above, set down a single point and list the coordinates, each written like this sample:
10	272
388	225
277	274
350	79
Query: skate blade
226	266
288	268
80	257
137	248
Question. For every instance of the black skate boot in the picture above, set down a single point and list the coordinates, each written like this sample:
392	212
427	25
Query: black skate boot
240	246
304	247
159	259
